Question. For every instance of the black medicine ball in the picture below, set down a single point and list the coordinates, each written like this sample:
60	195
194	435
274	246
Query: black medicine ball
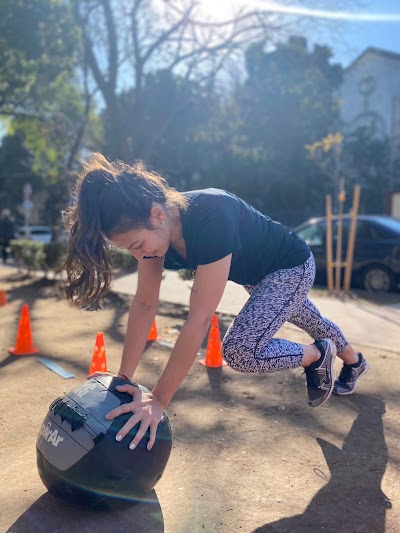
79	459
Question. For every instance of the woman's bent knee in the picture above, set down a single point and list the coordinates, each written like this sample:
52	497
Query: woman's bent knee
245	362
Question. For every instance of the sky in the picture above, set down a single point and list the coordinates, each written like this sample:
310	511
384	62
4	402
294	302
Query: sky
361	34
348	27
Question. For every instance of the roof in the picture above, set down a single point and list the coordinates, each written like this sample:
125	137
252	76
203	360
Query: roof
376	51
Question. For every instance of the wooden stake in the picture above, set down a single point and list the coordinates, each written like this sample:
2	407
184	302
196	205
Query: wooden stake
338	262
352	238
329	246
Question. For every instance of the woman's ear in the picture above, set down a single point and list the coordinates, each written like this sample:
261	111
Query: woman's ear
158	215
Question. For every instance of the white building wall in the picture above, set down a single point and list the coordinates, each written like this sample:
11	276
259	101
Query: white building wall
384	99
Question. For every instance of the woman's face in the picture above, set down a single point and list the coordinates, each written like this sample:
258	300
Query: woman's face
146	242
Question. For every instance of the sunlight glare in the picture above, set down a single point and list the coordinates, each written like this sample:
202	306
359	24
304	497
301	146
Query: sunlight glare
224	9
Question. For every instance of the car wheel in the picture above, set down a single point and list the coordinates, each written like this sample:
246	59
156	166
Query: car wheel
378	279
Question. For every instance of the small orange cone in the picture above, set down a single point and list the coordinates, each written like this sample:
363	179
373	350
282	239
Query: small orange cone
153	335
3	298
214	351
24	344
99	362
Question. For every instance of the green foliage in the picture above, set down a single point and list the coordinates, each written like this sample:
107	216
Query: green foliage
41	89
368	161
286	101
122	260
29	254
51	256
15	170
37	39
186	274
39	256
55	255
172	118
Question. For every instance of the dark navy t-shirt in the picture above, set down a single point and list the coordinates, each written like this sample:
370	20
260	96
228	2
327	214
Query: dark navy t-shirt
218	223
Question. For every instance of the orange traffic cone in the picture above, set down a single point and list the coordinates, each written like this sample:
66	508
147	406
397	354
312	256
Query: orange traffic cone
214	352
99	362
3	298
24	344
153	335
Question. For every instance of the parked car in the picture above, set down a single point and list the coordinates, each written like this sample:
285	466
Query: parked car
35	233
376	262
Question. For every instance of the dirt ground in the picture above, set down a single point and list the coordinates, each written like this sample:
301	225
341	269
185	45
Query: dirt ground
248	454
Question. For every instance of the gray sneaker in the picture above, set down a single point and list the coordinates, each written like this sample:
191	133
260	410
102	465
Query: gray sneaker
320	373
349	377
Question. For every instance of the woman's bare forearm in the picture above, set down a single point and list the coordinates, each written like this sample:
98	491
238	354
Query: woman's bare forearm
140	320
180	361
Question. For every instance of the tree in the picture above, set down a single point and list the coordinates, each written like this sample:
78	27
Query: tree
176	121
286	101
368	162
126	41
46	97
37	39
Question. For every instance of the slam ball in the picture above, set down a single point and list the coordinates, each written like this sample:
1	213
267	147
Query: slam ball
78	458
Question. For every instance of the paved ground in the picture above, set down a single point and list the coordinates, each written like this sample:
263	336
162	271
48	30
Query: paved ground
371	320
248	455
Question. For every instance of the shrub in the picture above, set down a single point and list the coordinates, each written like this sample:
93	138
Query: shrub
51	256
122	260
186	274
55	255
29	254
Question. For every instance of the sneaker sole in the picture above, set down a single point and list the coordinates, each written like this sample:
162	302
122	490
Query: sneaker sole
367	369
334	352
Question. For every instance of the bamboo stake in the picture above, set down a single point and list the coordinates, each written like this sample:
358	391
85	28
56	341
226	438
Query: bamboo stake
338	262
352	238
329	258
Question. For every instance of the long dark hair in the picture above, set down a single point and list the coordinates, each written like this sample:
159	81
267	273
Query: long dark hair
109	198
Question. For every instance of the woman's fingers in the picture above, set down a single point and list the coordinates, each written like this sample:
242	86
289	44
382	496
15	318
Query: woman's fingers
140	434
134	419
146	411
124	408
135	392
131	389
152	439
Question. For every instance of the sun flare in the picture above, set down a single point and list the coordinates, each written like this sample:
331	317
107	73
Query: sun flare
224	9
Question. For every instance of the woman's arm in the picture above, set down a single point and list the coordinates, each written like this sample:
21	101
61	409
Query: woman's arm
142	312
207	291
208	288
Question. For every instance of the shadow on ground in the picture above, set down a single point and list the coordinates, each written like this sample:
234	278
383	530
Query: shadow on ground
352	500
47	515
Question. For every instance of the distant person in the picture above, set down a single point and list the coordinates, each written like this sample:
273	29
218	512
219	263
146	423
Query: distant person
6	232
221	237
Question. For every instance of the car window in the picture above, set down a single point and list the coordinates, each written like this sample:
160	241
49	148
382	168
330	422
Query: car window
314	234
40	232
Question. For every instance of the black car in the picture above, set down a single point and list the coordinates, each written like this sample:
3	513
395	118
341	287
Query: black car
376	263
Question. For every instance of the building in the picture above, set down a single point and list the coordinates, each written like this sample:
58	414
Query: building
370	97
370	93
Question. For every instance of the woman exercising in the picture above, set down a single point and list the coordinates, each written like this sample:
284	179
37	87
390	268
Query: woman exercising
220	237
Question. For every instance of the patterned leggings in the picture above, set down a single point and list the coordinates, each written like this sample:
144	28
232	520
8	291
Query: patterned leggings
248	345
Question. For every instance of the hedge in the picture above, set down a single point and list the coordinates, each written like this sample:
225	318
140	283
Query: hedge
34	255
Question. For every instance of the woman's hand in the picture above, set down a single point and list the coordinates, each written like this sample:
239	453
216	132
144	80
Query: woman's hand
146	409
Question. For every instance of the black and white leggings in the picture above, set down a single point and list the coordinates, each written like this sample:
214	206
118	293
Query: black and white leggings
280	297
